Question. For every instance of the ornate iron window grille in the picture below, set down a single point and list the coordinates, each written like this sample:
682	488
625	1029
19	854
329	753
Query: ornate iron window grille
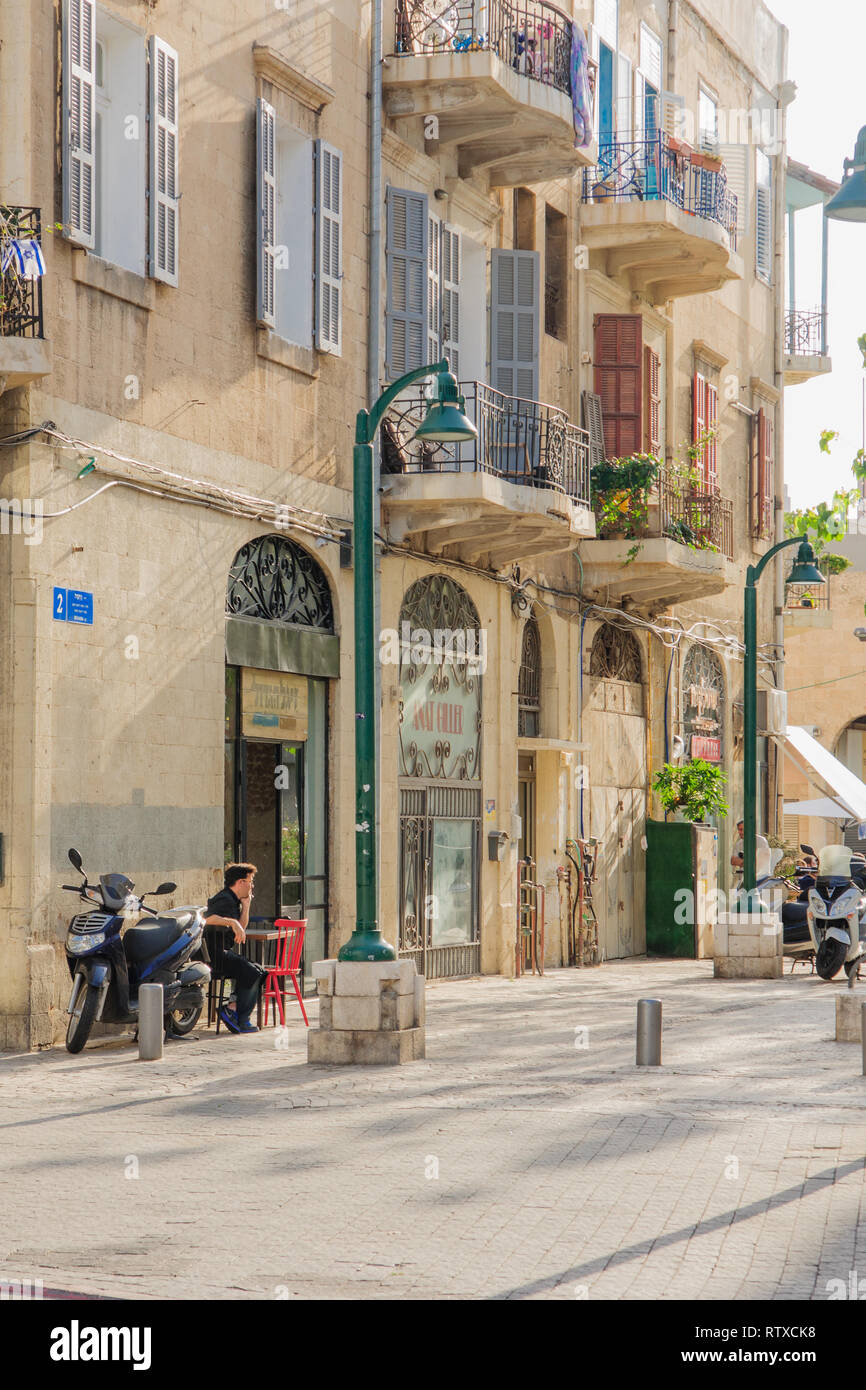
273	579
435	608
20	300
615	655
703	695
529	682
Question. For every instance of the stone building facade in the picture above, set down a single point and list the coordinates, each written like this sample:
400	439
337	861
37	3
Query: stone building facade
237	259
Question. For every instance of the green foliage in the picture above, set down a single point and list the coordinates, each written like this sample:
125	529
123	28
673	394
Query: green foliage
619	491
825	439
695	789
861	343
790	856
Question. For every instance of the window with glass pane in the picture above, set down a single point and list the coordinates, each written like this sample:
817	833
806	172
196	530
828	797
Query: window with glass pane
708	121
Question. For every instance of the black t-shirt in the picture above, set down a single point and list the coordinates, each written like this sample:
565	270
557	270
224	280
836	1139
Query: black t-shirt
225	903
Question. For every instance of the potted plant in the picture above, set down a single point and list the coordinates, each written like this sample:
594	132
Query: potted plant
620	490
692	790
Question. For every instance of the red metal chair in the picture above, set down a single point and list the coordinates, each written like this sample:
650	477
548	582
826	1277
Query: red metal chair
290	944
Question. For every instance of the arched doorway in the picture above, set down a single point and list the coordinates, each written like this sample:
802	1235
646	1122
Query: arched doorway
617	737
280	652
440	778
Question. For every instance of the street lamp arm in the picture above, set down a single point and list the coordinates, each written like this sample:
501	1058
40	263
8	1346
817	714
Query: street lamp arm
368	421
755	571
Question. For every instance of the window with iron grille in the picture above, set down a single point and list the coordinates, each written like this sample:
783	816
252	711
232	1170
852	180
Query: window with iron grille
615	655
529	683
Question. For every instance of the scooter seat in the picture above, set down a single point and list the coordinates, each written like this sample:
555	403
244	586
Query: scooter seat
795	928
151	937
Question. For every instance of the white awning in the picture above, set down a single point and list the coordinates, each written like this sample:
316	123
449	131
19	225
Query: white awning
822	806
825	772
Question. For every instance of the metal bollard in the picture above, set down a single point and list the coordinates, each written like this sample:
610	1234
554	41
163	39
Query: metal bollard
649	1033
151	1025
863	1033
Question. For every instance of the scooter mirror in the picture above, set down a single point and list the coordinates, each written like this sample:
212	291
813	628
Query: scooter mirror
807	849
75	859
164	888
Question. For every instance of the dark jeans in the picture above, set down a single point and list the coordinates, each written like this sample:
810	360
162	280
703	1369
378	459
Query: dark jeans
248	977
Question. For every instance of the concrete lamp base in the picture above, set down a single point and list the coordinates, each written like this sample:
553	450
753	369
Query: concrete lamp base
370	1013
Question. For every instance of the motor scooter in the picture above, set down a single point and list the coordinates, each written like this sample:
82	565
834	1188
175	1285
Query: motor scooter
109	958
836	912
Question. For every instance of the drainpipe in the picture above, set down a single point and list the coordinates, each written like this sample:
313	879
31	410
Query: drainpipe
779	383
374	315
673	20
670	394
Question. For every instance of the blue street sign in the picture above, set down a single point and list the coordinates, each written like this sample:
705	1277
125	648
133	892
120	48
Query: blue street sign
79	606
73	606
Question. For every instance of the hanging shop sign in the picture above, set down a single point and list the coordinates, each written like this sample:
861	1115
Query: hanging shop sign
273	705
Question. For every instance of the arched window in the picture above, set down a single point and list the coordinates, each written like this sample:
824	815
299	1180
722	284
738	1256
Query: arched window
703	687
274	579
615	655
529	683
440	682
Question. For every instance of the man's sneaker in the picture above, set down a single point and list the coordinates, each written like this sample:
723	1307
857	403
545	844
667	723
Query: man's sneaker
245	1025
230	1020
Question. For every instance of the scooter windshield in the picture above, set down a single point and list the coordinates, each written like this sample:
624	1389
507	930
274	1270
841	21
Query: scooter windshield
115	889
834	861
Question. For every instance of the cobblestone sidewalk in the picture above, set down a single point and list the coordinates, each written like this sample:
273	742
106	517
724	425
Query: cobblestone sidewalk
527	1157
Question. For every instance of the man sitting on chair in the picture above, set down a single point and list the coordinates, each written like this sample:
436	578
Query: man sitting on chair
231	908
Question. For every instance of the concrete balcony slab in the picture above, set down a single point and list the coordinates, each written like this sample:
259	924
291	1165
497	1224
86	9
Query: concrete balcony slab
652	574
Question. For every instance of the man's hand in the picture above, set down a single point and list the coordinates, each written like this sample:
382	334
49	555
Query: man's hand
237	930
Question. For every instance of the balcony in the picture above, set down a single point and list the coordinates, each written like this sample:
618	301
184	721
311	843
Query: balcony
678	552
24	354
520	490
807	606
661	218
491	80
805	345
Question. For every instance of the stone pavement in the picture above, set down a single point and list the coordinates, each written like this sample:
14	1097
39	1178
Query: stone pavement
523	1159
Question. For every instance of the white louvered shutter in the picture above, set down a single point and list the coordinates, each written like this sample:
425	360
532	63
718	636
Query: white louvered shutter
672	113
163	191
79	121
763	219
329	248
606	21
736	158
434	288
514	322
451	254
406	256
266	212
651	57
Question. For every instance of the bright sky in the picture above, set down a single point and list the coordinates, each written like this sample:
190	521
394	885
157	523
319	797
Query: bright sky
825	59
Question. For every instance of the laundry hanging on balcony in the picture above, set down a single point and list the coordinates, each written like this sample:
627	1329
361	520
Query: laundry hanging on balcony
24	256
581	104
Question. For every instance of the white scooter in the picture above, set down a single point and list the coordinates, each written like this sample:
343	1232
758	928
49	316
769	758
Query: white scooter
836	913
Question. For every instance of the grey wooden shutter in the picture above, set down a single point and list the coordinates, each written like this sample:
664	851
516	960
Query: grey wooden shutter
593	423
451	254
266	212
406	263
163	191
79	121
329	248
514	322
434	288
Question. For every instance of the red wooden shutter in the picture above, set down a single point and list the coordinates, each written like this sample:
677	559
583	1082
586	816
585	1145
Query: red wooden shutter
618	343
699	419
711	459
652	403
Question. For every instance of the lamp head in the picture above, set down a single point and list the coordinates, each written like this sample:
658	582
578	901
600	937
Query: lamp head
849	204
445	421
805	571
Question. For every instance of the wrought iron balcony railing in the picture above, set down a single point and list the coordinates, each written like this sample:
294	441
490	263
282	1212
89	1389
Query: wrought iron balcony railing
700	518
806	333
804	597
655	168
20	299
531	36
521	441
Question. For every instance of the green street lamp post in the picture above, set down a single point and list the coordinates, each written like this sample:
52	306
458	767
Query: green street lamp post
445	422
805	571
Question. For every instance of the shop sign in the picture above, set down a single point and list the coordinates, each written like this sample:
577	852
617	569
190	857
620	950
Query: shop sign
710	749
273	705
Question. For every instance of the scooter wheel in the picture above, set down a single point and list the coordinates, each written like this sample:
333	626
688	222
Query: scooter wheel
81	1022
830	958
182	1021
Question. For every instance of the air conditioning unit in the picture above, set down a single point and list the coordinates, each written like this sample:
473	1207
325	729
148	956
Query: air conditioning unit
772	711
